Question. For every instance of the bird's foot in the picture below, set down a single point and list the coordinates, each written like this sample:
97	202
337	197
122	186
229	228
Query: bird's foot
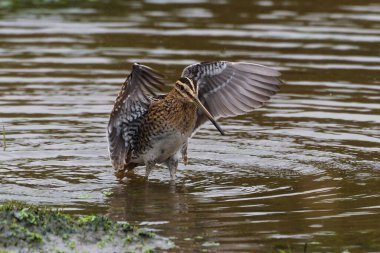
173	173
148	168
172	164
120	174
147	172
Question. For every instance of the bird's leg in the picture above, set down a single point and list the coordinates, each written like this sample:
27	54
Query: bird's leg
184	154
172	164
148	168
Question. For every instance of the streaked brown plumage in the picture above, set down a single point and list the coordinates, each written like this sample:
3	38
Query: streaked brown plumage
146	129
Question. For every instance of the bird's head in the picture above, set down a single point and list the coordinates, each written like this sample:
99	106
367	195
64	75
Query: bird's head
189	91
187	88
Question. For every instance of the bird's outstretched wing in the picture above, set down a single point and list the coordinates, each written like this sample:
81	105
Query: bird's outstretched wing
129	109
231	88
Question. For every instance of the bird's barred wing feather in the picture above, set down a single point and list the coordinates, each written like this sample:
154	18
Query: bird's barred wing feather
232	88
129	109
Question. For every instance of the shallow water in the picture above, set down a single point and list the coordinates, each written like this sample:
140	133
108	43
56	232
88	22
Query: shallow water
302	169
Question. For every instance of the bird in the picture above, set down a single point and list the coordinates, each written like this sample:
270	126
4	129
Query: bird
149	128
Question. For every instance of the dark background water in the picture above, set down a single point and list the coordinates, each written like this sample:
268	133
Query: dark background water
302	169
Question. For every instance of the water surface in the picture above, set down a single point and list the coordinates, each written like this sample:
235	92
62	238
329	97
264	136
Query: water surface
302	169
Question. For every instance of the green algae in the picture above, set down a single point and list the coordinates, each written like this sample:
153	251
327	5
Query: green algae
30	228
107	194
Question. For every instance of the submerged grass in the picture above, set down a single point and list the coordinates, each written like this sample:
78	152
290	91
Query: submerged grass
30	228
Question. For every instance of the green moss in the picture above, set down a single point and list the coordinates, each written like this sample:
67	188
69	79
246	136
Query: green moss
144	233
288	250
86	219
147	250
26	226
6	251
71	245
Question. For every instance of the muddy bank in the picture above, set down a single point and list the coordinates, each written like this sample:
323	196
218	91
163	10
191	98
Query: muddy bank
30	228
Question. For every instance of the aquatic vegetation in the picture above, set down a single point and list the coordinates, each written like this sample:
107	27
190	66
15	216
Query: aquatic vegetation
25	228
107	193
288	250
210	244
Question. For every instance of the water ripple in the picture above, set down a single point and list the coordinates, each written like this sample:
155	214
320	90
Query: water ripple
304	168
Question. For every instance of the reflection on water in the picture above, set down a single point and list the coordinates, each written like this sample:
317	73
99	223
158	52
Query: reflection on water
303	169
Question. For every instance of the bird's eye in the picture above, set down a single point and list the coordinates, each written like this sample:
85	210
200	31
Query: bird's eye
181	87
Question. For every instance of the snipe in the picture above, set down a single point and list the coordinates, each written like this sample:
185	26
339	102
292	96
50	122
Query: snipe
149	129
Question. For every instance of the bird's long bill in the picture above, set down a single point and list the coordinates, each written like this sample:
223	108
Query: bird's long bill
209	116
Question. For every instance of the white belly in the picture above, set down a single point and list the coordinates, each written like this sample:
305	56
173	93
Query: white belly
163	147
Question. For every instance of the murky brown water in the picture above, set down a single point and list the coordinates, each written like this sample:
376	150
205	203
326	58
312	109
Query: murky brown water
303	169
